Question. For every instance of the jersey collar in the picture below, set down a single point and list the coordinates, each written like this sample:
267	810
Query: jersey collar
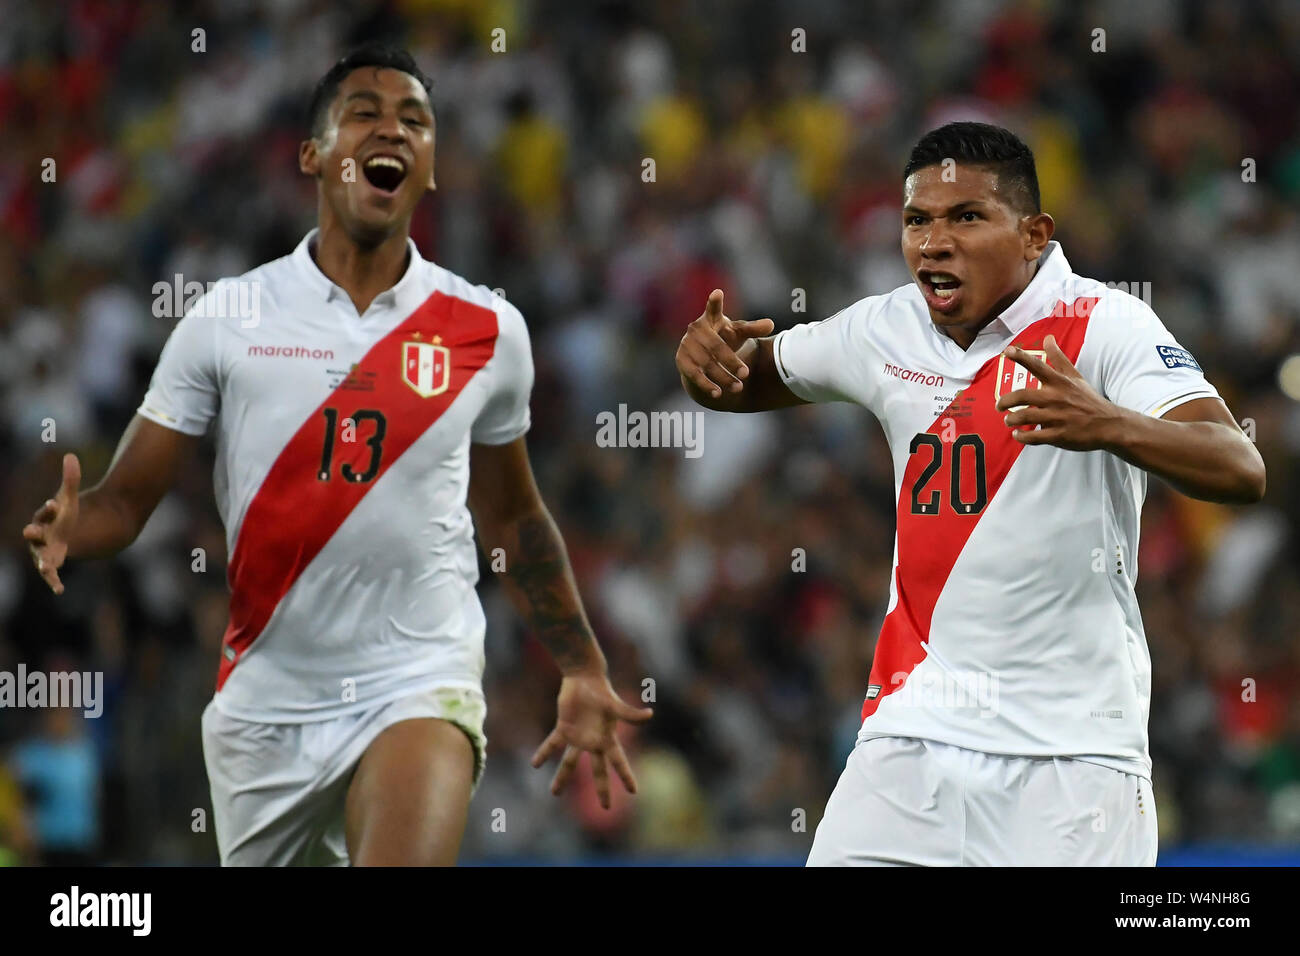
324	286
1038	298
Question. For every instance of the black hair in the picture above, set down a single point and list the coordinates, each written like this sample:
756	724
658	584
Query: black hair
369	54
979	144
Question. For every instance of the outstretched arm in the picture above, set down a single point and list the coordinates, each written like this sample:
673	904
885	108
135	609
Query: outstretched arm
109	516
509	514
726	367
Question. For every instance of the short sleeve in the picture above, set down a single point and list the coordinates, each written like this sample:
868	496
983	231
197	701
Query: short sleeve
505	415
1143	367
183	393
825	361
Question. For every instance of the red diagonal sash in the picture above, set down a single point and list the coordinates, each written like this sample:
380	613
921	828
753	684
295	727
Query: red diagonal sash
929	544
295	513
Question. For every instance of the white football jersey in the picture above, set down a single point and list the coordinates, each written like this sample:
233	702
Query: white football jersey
1012	624
341	475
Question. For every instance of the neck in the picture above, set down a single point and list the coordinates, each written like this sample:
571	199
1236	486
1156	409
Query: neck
362	271
964	335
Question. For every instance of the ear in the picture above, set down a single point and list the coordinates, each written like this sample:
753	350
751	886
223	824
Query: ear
308	158
1037	231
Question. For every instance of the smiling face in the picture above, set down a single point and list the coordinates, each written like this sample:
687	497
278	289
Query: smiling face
970	248
381	120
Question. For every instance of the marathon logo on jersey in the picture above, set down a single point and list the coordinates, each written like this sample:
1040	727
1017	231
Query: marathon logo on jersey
426	367
911	375
289	351
1012	376
1174	357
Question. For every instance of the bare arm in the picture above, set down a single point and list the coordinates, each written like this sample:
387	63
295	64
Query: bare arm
1197	447
109	516
509	514
725	367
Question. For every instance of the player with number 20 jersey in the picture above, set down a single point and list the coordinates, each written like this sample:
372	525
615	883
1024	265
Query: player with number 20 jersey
1004	719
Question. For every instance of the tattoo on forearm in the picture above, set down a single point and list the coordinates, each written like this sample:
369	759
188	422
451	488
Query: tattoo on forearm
539	570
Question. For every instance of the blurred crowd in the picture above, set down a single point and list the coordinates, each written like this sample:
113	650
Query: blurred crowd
1168	150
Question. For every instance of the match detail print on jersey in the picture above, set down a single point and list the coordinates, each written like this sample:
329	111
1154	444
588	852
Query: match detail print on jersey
420	368
945	491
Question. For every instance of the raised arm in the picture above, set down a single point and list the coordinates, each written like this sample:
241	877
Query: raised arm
725	366
109	516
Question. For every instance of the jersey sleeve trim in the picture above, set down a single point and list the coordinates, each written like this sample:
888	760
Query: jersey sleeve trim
497	438
1170	404
167	421
506	415
791	382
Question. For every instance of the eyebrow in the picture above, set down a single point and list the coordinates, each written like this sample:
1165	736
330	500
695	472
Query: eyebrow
406	101
909	209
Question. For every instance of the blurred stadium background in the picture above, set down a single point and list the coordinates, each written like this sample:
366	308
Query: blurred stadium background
777	171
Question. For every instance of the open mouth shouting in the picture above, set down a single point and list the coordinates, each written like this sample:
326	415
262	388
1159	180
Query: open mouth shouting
385	172
942	290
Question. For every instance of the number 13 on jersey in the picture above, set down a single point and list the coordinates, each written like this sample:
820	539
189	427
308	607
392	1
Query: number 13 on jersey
351	426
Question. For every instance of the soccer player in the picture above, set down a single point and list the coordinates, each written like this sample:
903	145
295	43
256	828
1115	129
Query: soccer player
1005	716
367	400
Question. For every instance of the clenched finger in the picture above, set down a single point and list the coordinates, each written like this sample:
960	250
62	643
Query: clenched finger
723	376
1028	416
726	356
1025	396
701	381
1041	436
707	363
707	346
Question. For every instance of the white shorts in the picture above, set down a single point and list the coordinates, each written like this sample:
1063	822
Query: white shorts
903	801
279	790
